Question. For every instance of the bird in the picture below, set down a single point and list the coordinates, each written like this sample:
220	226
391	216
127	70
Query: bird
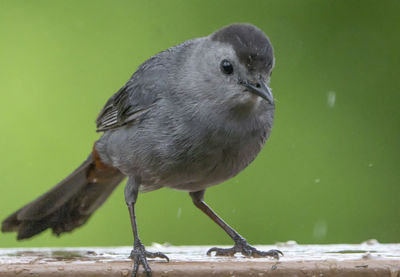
189	118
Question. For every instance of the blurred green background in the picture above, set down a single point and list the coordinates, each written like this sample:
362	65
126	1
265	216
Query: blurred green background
329	174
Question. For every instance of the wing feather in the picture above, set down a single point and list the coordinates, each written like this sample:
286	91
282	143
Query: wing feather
125	106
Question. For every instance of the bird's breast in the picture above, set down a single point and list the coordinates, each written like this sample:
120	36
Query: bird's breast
209	154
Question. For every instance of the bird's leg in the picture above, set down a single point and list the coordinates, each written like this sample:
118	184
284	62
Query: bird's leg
241	245
139	254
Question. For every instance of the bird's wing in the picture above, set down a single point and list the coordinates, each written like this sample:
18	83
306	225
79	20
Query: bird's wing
140	93
124	107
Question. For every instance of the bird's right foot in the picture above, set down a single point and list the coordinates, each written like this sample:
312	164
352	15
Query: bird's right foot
241	246
139	256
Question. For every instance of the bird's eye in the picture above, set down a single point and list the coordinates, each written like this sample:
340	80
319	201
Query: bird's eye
226	67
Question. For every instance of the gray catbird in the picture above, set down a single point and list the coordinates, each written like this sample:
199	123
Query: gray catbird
189	118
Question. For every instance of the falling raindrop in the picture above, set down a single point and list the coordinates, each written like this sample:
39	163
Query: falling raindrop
179	213
331	99
320	230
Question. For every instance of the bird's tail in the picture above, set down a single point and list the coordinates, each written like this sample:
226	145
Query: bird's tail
69	204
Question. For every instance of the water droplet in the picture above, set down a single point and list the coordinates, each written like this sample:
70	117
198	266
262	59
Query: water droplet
367	256
320	230
331	99
18	270
288	243
179	213
125	272
370	242
317	180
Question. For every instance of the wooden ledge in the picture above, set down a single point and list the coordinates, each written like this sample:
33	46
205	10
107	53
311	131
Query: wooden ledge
367	259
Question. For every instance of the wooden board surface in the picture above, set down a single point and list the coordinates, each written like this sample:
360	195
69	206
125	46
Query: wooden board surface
367	259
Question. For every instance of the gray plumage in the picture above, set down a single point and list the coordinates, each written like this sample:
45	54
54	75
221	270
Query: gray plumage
181	123
189	118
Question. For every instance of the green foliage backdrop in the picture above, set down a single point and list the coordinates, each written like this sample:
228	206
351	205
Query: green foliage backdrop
329	173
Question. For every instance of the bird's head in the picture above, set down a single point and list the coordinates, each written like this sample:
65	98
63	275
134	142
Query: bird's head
235	64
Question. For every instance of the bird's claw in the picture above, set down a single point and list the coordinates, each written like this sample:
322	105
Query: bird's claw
241	246
157	255
139	256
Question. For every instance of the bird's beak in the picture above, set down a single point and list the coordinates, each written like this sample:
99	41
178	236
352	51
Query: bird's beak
260	89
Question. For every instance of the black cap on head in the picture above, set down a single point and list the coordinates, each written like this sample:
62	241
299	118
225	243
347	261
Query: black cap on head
251	45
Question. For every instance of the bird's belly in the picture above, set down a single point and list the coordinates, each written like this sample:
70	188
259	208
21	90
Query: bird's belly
196	170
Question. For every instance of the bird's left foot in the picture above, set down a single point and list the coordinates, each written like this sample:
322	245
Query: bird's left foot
241	246
139	256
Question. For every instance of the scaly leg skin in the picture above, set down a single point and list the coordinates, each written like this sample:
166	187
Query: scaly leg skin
241	245
139	254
